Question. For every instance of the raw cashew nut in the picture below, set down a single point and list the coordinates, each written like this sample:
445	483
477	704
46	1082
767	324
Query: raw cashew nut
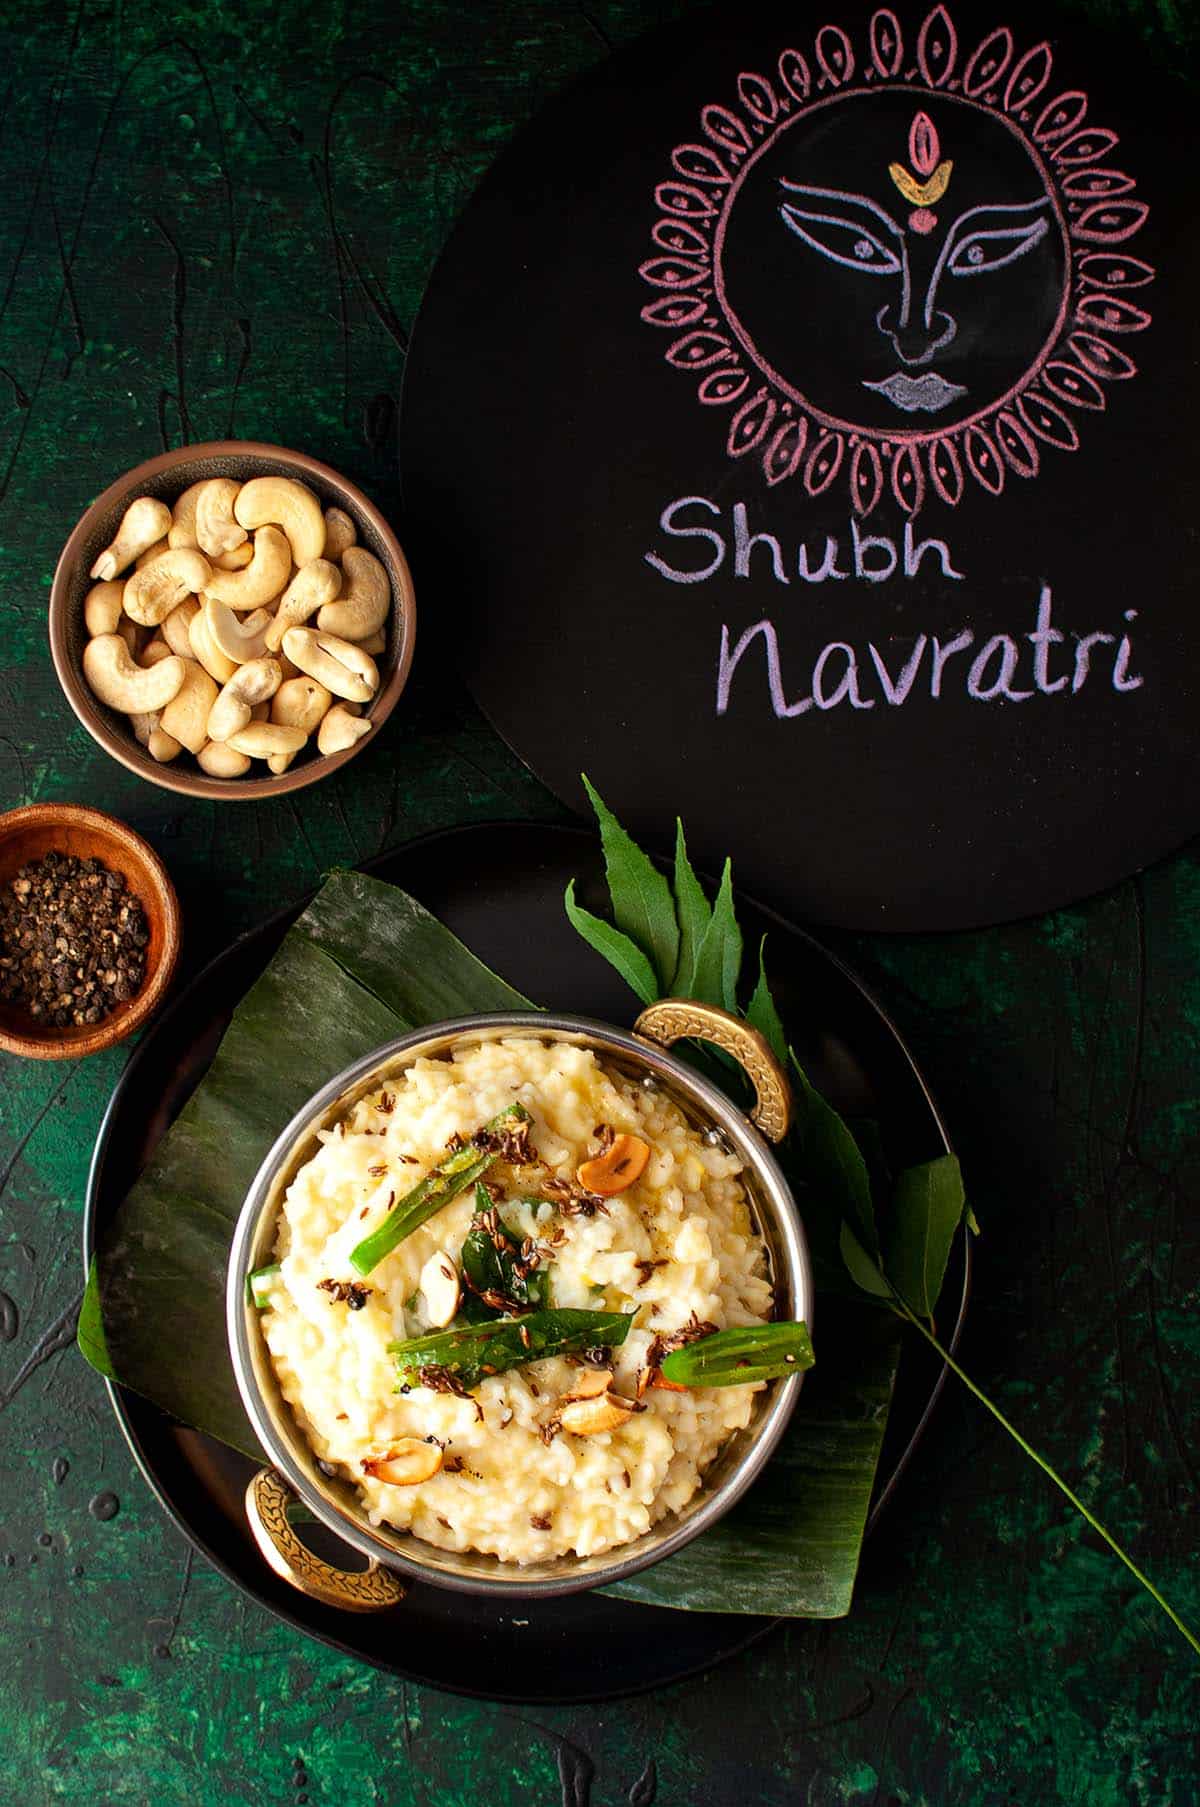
135	637
124	686
102	607
239	639
340	532
152	592
175	626
237	560
211	657
338	664
219	760
154	650
343	727
148	734
164	747
264	740
374	644
284	503
216	529
182	531
366	596
312	587
262	579
186	715
300	703
150	554
256	682
143	522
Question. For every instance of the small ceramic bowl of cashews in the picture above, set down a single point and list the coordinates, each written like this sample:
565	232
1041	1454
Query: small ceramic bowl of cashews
232	620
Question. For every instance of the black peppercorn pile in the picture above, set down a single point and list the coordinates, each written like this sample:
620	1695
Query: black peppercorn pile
72	941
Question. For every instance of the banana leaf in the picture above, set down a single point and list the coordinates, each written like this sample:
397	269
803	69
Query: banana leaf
364	963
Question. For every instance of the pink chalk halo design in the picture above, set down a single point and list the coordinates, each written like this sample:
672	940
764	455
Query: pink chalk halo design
1096	207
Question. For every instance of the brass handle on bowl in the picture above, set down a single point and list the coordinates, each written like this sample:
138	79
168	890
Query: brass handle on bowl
370	1590
678	1019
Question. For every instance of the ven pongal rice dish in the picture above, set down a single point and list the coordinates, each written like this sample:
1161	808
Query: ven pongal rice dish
476	1280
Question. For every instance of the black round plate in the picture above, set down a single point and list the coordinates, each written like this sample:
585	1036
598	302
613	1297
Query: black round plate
500	888
805	400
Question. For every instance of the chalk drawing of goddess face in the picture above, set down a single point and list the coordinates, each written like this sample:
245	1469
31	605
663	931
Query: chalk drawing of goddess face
908	287
885	261
899	263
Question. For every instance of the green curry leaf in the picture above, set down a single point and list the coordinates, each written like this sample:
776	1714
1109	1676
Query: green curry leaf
863	1269
643	908
616	948
719	959
833	1161
694	913
927	1208
762	1014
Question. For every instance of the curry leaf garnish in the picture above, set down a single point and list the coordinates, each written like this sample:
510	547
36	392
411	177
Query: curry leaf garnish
498	1282
642	905
719	959
927	1208
833	1160
616	948
875	1280
694	913
927	1203
761	1011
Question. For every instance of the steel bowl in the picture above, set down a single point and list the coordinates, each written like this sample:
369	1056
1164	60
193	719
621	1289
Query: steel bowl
294	1474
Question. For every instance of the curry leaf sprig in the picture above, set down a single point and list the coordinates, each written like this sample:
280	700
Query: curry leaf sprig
900	1281
667	940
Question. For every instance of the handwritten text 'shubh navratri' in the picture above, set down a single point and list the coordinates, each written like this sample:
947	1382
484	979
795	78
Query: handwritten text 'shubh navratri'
698	540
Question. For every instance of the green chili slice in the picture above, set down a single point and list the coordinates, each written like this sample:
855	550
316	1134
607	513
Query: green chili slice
450	1177
260	1283
473	1351
737	1358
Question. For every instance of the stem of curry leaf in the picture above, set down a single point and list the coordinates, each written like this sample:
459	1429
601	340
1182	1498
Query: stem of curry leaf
1138	1575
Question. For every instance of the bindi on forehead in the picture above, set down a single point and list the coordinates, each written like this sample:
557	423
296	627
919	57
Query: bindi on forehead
924	184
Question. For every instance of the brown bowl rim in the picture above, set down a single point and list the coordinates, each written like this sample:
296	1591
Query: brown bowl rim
62	1045
123	747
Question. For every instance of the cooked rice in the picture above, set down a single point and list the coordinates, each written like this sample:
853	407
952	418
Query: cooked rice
501	1481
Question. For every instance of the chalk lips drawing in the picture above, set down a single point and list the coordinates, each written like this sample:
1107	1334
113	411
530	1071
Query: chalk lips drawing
935	412
918	394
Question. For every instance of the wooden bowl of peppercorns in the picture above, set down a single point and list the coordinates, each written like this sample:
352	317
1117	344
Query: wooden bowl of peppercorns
89	931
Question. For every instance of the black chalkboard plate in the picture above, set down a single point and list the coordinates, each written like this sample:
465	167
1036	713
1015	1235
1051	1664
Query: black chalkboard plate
500	888
798	435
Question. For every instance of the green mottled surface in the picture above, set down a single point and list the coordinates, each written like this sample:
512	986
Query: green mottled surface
220	218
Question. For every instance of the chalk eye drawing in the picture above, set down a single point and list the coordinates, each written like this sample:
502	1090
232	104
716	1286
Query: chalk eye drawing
899	264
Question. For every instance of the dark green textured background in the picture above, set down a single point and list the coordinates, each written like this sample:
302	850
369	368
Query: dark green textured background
218	218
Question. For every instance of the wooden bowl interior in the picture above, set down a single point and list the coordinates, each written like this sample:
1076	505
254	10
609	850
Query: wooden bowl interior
168	485
27	841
